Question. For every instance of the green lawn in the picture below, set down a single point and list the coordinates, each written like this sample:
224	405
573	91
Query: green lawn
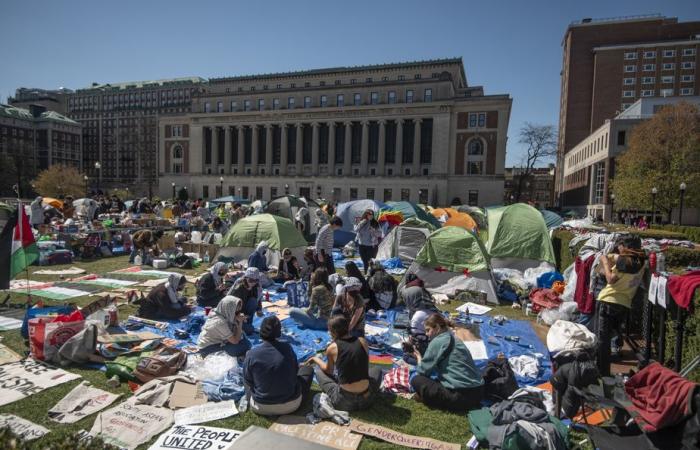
393	412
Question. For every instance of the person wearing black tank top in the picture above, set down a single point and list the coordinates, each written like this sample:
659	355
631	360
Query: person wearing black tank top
345	377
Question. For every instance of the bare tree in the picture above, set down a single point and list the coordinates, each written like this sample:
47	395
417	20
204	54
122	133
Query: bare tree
541	142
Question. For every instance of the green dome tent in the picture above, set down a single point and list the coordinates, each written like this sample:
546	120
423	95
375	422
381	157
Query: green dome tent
279	233
551	219
411	210
518	237
289	206
454	259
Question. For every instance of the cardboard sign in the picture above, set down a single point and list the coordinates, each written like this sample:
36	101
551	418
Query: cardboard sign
7	355
397	438
82	401
21	379
186	394
324	433
127	337
653	287
186	437
128	425
206	412
96	305
24	429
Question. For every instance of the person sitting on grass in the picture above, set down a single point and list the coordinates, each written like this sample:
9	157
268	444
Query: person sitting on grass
211	287
272	376
258	258
446	375
356	385
350	304
352	270
288	268
248	289
223	330
164	301
320	303
383	287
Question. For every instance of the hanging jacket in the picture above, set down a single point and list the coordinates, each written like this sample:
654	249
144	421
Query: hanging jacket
583	296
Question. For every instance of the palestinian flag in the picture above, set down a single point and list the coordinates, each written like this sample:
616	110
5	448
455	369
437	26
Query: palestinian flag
17	247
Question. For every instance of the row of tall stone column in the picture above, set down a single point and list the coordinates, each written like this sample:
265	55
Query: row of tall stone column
298	162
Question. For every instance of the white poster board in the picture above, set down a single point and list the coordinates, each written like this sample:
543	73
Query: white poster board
128	425
206	412
82	401
24	429
21	379
188	437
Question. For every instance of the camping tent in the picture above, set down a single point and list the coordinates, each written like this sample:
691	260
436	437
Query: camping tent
279	233
351	213
410	210
405	240
463	220
518	237
551	219
475	213
451	260
289	205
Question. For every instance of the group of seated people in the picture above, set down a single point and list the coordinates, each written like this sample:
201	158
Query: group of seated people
445	378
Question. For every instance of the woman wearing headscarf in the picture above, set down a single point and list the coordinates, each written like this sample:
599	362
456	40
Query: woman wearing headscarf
248	289
351	305
273	378
223	330
258	258
211	287
165	301
36	212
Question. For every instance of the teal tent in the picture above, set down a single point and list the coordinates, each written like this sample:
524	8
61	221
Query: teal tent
410	210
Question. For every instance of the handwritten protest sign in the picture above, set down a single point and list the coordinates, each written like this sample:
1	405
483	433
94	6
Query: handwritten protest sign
398	438
24	429
324	433
206	412
7	355
186	437
21	379
128	425
82	401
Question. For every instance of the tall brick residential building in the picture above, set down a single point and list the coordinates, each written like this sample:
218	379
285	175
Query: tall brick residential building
407	131
607	65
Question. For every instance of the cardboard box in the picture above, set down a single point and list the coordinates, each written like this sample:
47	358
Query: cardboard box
187	394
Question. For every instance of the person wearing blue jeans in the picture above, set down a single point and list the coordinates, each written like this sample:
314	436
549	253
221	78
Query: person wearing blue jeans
320	303
247	288
223	330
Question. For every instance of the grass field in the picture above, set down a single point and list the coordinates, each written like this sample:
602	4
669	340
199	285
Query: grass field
390	411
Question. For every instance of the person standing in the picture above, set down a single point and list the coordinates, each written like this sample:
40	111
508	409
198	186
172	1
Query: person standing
623	273
324	244
367	239
145	240
36	212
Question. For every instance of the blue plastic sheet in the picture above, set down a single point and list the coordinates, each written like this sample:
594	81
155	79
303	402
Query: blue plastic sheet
528	337
392	263
547	279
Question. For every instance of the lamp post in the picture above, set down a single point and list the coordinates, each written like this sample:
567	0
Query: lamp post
85	177
173	185
221	188
239	193
612	208
98	166
127	193
286	189
680	210
654	191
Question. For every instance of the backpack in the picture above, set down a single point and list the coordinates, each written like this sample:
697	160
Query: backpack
499	379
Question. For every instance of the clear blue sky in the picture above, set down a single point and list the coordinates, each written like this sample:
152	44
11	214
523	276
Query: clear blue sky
511	46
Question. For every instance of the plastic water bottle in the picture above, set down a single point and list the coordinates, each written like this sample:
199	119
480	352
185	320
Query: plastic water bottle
243	404
206	258
138	260
660	262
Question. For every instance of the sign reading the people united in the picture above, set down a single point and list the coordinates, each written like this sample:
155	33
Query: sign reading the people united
187	437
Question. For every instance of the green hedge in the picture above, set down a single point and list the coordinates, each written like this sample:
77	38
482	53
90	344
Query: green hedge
678	257
656	233
691	336
691	233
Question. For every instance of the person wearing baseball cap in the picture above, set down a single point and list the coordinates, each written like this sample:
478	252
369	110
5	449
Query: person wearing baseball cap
272	376
248	289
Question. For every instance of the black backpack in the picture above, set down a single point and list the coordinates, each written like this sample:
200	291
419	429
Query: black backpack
499	379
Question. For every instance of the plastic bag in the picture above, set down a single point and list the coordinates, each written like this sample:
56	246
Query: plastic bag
47	335
566	311
214	367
